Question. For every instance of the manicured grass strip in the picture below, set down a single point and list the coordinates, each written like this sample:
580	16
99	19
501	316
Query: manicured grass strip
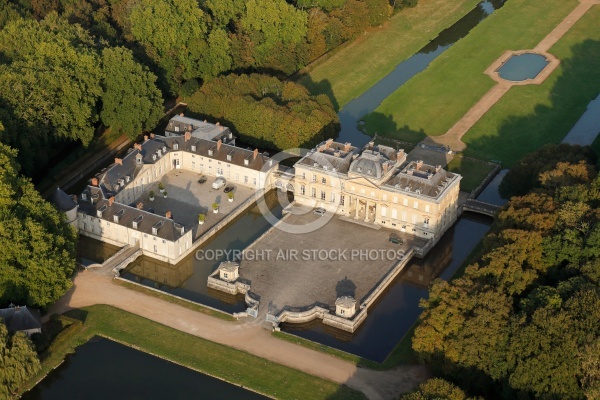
439	96
528	117
221	361
172	299
350	71
473	171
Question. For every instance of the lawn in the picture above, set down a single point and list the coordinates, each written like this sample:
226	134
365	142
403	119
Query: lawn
358	65
473	171
529	116
199	354
435	99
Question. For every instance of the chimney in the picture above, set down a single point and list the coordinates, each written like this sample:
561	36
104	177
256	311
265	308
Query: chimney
371	145
219	143
94	181
347	146
151	135
255	154
118	161
111	201
386	167
437	168
138	146
181	115
399	155
328	143
169	215
218	123
222	128
187	136
419	164
204	121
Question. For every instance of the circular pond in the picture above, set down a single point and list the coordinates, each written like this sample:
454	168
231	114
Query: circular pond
522	67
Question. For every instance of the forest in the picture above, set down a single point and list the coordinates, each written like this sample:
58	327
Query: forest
71	69
522	321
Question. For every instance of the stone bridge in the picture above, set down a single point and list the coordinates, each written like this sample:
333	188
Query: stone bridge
283	179
481	207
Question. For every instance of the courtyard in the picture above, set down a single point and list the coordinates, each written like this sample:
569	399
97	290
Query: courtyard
186	198
342	258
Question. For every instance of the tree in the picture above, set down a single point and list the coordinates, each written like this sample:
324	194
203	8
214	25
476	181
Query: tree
436	389
38	246
131	103
18	361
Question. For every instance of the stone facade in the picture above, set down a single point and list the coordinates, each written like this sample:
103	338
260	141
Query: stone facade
377	185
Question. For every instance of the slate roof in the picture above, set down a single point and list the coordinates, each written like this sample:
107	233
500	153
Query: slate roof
21	318
199	129
330	154
423	179
62	201
371	164
168	230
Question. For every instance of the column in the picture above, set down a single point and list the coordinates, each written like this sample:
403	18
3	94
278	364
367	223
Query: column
356	209
367	211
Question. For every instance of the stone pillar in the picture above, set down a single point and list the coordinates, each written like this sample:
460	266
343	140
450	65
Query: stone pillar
367	211
356	209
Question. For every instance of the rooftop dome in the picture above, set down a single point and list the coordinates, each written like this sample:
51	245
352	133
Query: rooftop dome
369	164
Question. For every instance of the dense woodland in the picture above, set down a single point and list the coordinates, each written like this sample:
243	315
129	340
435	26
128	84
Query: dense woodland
70	68
18	361
522	321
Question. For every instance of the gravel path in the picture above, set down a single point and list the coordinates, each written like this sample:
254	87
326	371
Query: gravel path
92	288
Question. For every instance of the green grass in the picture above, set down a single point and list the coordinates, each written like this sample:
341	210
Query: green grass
172	299
528	117
473	171
435	99
202	355
358	65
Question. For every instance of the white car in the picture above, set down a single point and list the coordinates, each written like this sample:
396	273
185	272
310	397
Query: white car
219	183
319	211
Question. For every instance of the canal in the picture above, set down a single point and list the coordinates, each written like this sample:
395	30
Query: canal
102	369
366	103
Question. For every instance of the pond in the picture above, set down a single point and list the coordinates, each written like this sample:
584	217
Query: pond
398	309
491	194
102	369
523	67
367	102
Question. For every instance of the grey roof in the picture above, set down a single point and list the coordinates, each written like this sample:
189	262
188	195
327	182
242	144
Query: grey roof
345	301
21	318
371	164
169	230
228	266
62	201
423	179
199	129
330	154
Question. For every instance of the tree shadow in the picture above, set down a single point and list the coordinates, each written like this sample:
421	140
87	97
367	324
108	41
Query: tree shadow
578	84
345	287
317	88
383	125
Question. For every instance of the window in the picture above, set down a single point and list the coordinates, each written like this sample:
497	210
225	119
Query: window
246	161
403	216
228	157
405	202
254	181
342	311
395	199
362	191
176	146
302	190
414	219
323	180
384	197
155	249
384	211
225	275
427	208
304	175
237	177
426	221
416	204
314	178
394	213
342	199
245	179
210	152
193	148
314	192
193	165
333	197
322	195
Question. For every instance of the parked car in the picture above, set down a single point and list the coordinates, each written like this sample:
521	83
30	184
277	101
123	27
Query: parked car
218	183
202	179
396	240
228	189
319	211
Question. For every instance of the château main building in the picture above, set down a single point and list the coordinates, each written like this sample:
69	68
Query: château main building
378	185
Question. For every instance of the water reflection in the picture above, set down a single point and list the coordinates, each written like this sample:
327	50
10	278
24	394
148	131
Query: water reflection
491	194
367	102
398	308
188	278
102	369
92	251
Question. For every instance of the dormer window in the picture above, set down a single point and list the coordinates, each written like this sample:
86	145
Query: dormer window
121	182
100	211
175	146
176	128
84	196
159	153
246	161
180	228
127	178
118	216
156	227
138	158
136	222
164	149
193	147
153	157
210	152
229	157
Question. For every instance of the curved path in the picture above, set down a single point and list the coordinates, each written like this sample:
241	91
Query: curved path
94	288
453	138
